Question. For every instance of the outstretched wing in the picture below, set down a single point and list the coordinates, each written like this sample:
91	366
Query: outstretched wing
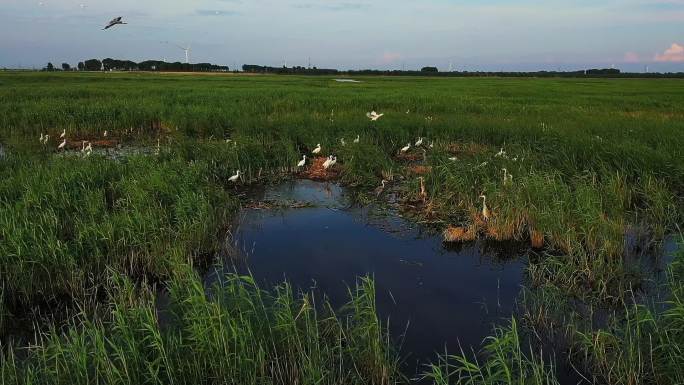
112	23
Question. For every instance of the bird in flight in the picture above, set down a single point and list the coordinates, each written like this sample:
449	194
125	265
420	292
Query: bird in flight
113	23
374	115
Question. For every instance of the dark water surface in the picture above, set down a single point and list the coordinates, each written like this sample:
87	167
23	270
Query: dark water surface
434	298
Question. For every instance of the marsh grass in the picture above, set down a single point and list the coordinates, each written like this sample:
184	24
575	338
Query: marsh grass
233	333
588	166
63	221
642	345
507	359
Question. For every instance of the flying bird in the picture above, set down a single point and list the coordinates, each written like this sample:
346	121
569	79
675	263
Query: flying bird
373	116
113	23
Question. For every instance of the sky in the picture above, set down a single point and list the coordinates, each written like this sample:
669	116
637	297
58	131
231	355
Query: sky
490	35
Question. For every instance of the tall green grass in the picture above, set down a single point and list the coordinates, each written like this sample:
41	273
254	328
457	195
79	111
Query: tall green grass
645	344
233	333
591	159
64	221
507	359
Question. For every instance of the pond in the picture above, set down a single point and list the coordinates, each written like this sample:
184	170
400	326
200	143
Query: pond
434	298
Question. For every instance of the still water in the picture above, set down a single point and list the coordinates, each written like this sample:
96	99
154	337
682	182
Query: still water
434	298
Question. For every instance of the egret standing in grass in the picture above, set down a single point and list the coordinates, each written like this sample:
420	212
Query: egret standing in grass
235	177
333	161
302	162
507	178
105	134
358	139
343	142
41	137
46	138
61	136
486	214
423	191
381	188
405	148
419	142
62	145
317	150
327	162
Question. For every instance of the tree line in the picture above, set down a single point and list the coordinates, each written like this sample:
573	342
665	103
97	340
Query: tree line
128	65
162	66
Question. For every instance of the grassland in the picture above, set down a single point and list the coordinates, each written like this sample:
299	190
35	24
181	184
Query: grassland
596	164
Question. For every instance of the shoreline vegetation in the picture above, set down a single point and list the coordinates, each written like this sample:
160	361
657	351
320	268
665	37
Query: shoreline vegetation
596	182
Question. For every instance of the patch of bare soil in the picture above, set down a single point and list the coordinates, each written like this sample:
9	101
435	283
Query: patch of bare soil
316	171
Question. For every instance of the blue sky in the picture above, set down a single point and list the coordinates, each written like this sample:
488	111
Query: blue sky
394	34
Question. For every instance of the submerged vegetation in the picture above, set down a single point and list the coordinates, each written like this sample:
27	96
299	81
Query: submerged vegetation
594	173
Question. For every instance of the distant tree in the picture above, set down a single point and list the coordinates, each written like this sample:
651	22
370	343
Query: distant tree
429	69
93	65
81	66
66	67
50	67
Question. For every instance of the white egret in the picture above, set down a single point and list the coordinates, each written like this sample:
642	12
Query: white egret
419	142
327	162
235	177
380	189
507	178
317	150
406	148
500	153
302	162
453	159
41	137
63	134
45	140
423	191
486	214
333	161
373	116
62	145
105	134
343	142
358	139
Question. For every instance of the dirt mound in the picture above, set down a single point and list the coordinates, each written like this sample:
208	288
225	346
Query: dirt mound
316	171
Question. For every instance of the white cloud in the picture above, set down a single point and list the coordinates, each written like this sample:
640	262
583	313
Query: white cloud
674	54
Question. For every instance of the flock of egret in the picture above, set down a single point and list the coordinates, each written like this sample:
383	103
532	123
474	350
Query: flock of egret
87	148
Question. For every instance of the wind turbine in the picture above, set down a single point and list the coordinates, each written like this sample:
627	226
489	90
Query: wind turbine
186	49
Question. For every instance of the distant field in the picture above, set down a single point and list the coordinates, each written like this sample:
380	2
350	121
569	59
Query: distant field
596	163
